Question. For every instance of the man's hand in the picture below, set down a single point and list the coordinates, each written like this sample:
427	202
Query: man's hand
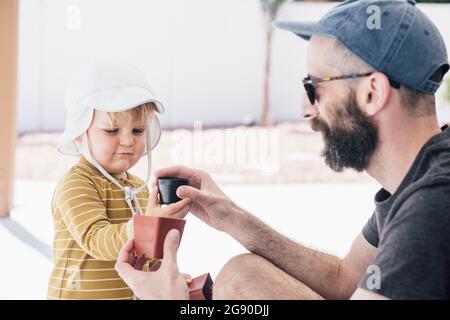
167	283
209	203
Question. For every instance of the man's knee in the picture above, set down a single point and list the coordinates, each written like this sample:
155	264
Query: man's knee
249	276
238	275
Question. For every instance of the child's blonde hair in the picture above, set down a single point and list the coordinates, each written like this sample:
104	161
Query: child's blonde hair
141	113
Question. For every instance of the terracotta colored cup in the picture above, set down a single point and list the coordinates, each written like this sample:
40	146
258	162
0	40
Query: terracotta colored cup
201	288
150	233
168	186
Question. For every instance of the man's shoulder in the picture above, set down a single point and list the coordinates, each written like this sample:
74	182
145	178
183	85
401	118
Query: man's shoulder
435	183
427	204
430	182
420	223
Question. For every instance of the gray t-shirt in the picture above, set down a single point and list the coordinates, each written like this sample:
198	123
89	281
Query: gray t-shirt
411	229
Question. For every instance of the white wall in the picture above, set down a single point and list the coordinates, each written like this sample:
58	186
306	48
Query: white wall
203	57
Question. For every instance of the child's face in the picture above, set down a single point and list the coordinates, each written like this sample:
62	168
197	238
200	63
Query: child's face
119	147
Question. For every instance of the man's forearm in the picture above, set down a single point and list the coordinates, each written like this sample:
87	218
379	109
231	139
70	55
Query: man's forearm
317	270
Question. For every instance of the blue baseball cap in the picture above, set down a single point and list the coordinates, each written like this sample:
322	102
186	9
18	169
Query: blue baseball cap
404	44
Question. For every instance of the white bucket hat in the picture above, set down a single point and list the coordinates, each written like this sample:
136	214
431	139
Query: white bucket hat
109	88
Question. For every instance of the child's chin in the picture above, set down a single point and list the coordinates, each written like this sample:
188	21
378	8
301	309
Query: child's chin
123	164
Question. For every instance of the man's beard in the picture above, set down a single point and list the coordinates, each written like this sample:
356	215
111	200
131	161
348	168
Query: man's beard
351	139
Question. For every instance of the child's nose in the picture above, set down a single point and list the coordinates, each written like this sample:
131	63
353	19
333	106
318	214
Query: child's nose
126	140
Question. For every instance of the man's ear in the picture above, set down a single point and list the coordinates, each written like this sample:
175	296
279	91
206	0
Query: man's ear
373	93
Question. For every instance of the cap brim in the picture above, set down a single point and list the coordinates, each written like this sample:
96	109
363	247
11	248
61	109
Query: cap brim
304	30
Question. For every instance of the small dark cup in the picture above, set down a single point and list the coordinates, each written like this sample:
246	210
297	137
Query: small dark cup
168	189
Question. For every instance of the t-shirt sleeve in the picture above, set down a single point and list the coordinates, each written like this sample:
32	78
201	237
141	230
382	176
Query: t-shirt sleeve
84	214
370	231
413	259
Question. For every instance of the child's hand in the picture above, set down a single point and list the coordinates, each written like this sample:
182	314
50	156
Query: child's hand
175	210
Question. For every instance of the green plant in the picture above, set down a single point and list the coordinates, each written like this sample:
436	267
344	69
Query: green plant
269	10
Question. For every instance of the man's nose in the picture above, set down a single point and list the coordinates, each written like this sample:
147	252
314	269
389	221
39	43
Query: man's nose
307	110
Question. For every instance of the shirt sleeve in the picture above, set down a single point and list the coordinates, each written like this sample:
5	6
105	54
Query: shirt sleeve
84	214
370	231
413	259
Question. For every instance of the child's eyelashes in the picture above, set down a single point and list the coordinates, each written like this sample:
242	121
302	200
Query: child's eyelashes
111	131
136	131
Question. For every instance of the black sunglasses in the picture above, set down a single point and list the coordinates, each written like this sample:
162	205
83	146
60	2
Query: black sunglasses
309	83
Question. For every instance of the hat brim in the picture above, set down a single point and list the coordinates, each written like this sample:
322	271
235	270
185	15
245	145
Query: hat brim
67	144
304	30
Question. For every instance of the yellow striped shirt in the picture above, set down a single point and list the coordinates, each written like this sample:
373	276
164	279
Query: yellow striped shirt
90	219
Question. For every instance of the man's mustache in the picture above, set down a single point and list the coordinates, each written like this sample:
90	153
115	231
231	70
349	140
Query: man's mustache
318	125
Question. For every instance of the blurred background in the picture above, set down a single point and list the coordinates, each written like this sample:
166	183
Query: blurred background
231	86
